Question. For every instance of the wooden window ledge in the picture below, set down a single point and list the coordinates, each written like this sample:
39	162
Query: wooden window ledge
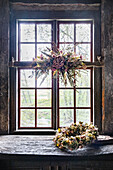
43	147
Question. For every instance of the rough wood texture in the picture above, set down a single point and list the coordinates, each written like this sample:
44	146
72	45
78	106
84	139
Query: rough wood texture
40	153
4	24
107	51
55	7
103	72
44	145
31	64
58	1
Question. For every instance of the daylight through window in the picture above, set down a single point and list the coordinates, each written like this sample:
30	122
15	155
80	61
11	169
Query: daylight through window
49	104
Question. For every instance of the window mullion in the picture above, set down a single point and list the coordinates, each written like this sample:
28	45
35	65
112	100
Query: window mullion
35	76
54	84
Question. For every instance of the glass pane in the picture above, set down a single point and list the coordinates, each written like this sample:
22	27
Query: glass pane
25	80
27	52
83	98
83	115
83	78
44	98
83	32
27	98
27	33
66	32
84	50
61	83
66	117
27	118
43	118
42	48
66	98
43	81
44	33
66	47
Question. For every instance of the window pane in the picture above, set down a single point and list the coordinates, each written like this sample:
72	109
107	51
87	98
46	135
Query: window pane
27	98
83	98
44	98
44	118
27	52
83	79
45	82
66	47
66	98
61	83
66	32
27	32
42	48
44	33
83	32
66	117
27	118
83	115
25	80
84	50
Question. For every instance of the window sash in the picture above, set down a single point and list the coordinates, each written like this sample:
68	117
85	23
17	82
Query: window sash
56	88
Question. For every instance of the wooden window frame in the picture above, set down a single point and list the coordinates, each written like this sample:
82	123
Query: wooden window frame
91	74
35	88
60	15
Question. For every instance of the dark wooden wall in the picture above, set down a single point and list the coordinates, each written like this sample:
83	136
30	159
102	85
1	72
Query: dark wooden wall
4	58
77	164
106	51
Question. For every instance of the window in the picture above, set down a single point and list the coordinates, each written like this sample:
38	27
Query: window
51	105
75	103
35	100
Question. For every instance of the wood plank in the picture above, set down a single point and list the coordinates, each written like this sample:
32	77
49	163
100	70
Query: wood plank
58	1
107	52
29	64
4	54
55	7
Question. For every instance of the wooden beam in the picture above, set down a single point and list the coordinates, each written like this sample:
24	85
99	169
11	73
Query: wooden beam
94	64
58	1
55	7
30	64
